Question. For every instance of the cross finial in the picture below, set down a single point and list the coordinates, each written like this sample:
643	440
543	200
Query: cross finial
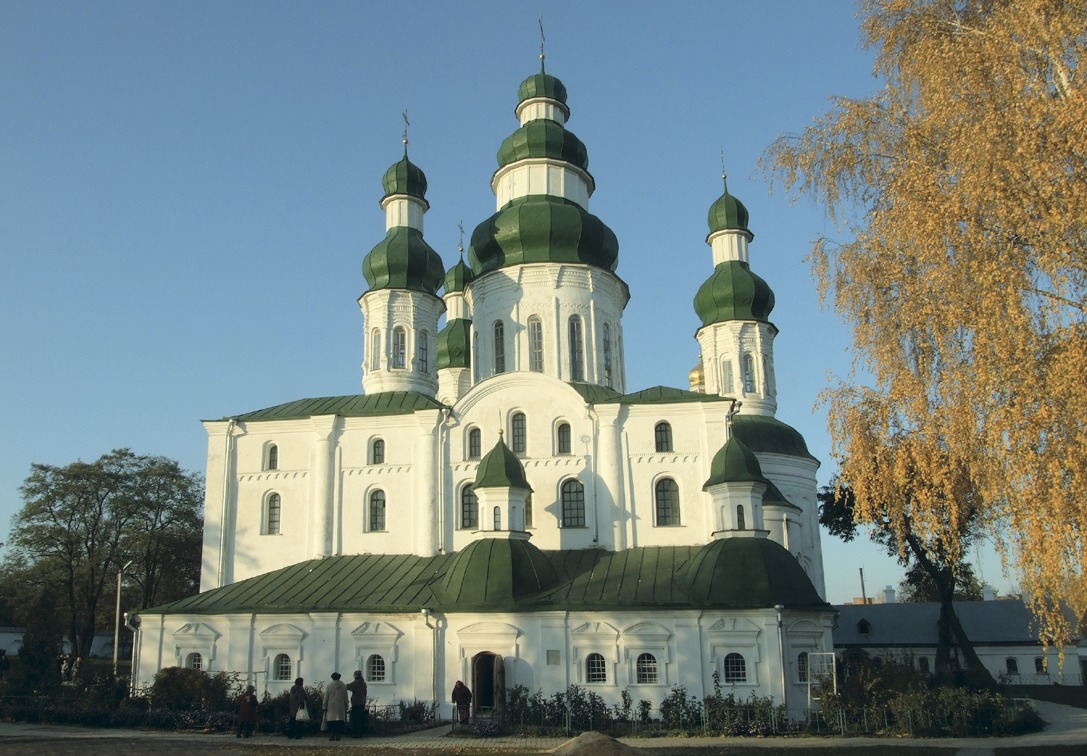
733	410
542	40
460	244
406	124
724	176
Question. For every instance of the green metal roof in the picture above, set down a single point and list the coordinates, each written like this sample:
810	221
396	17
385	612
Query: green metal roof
354	405
500	468
455	344
734	463
542	85
404	177
733	292
543	138
736	573
458	277
768	435
773	497
655	395
403	260
728	213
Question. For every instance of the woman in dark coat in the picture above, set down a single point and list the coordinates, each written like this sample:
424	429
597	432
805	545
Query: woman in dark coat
247	712
462	697
297	701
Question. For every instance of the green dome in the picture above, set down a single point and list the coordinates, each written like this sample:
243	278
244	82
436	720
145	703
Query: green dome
404	178
728	213
541	85
455	344
543	138
773	497
458	277
768	435
749	573
403	260
500	468
542	228
733	292
495	574
734	463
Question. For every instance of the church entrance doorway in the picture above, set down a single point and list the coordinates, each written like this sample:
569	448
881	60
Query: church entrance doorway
488	684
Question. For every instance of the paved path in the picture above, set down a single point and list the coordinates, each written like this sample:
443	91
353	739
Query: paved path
1067	726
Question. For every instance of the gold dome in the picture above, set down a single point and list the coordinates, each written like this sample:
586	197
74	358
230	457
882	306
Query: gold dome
697	377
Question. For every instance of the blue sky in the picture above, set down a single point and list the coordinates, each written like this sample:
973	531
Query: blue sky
187	191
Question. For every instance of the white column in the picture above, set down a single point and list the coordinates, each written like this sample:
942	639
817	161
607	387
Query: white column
426	495
322	508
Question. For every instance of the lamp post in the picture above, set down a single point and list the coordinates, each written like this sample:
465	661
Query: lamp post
117	617
781	656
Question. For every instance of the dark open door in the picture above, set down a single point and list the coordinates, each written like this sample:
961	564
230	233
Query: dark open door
499	690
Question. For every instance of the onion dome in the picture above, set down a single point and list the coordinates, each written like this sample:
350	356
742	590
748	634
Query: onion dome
500	468
404	178
542	85
403	260
458	278
543	138
734	463
768	435
455	344
542	228
495	574
733	292
697	376
728	214
749	572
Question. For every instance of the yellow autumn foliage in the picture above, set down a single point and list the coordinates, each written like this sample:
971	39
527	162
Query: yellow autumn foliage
961	190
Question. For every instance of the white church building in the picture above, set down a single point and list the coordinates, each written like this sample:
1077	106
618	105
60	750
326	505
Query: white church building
497	506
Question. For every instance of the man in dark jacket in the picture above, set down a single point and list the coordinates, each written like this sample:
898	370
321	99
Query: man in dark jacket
297	701
358	704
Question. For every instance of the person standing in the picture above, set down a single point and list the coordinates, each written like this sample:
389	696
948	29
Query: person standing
247	712
335	707
462	698
358	704
296	701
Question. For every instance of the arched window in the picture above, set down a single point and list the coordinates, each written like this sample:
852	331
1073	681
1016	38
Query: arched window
922	664
475	443
469	508
802	667
564	438
740	522
573	504
607	356
498	518
281	667
194	661
375	668
518	433
272	462
272	515
663	437
475	356
667	498
535	344
400	348
728	380
1012	665
377	511
375	349
423	365
377	452
646	670
577	359
596	671
499	347
864	627
1041	665
735	668
749	375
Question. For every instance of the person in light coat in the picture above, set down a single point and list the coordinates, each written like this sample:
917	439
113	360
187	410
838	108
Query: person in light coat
335	707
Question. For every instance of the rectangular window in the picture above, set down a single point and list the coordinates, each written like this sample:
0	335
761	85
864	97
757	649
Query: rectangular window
499	347
399	348
517	433
577	364
535	344
424	360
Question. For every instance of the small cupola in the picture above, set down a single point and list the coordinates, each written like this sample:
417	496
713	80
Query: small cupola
503	491
737	485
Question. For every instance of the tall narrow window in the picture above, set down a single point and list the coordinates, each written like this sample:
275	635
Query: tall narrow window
663	437
469	508
596	671
281	667
573	504
475	443
564	438
922	664
375	668
646	669
271	520
375	349
802	667
740	524
1012	665
727	377
377	511
667	497
273	458
498	518
735	669
607	356
517	433
1041	665
475	356
499	347
400	346
535	344
528	511
377	452
749	375
577	359
423	364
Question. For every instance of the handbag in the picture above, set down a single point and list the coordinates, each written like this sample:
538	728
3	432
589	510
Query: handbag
302	715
